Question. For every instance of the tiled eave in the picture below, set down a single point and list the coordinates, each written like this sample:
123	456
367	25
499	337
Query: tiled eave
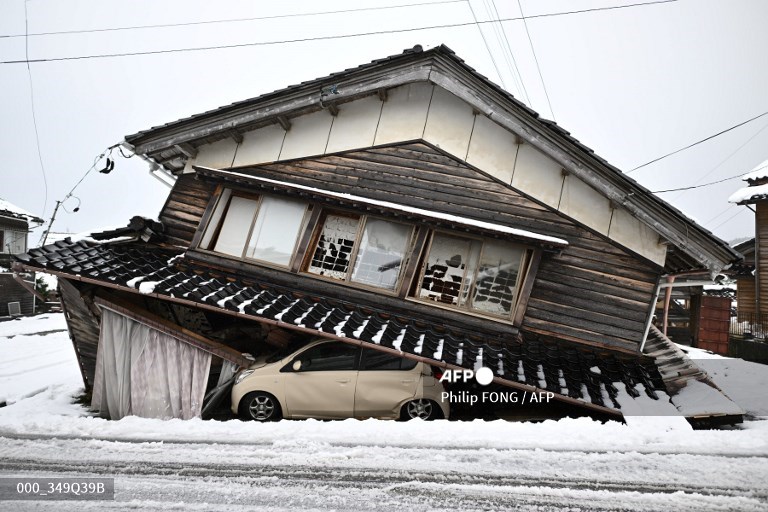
576	375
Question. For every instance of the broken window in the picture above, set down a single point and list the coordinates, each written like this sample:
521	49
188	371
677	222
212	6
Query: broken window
477	275
360	249
263	228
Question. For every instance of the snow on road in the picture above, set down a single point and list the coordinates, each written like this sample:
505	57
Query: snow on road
573	464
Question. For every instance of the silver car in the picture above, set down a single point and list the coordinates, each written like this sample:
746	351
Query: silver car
333	380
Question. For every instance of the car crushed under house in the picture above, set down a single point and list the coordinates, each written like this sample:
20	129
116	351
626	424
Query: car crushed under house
409	206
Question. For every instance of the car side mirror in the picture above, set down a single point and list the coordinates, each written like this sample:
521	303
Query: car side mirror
297	365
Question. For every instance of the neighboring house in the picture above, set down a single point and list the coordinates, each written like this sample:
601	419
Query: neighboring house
409	205
16	296
752	274
753	283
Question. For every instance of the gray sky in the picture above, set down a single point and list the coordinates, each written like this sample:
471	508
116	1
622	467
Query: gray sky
633	84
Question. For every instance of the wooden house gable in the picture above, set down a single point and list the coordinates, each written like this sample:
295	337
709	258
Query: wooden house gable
423	111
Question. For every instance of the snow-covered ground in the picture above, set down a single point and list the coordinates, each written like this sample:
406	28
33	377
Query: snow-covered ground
576	464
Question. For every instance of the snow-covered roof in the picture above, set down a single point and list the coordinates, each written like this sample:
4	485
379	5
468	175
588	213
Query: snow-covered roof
439	216
8	209
759	172
747	194
754	192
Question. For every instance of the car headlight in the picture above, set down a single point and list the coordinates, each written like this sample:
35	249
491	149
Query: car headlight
243	374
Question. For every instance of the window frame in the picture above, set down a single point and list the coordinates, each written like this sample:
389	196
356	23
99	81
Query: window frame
225	194
409	252
522	282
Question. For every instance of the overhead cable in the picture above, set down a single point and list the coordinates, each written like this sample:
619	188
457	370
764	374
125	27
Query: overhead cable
697	142
321	38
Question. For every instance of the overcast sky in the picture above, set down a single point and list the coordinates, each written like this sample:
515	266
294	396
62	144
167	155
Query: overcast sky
633	84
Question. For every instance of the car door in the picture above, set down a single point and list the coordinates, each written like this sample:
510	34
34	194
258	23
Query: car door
324	386
383	382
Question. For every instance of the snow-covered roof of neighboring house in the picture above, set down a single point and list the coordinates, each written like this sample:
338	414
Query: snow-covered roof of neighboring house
752	192
759	172
749	194
436	216
12	211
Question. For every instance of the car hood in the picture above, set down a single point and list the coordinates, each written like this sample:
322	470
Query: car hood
259	362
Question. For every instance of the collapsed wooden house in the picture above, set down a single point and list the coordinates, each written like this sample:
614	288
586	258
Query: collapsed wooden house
409	205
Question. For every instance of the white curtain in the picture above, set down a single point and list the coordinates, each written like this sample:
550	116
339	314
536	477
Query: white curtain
143	372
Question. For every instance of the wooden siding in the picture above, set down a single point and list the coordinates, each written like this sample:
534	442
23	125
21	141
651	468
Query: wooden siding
184	208
593	292
745	290
83	327
761	256
11	291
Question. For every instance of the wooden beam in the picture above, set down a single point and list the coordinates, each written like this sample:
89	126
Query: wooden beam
141	315
236	136
186	149
284	122
525	290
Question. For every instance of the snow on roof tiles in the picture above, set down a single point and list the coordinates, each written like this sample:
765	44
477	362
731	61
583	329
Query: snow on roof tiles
8	209
759	172
537	363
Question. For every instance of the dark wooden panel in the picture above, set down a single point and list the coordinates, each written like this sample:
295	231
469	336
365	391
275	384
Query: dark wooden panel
12	291
761	255
83	329
184	208
745	294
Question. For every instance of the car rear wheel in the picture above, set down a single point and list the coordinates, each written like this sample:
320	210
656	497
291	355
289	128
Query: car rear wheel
420	408
260	406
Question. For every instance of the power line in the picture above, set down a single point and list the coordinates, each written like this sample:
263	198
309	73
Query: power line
728	157
230	20
322	38
741	210
34	117
485	42
697	142
511	53
536	59
698	186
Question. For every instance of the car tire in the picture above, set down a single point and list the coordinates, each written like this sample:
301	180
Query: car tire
260	406
420	408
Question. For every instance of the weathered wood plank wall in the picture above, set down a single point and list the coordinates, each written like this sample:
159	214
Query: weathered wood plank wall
761	256
184	208
83	328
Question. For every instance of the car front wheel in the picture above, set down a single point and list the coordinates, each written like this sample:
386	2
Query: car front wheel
420	408
260	406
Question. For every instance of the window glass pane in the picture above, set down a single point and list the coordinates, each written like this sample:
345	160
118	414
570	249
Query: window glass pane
334	248
213	224
497	271
444	270
381	253
377	360
329	357
237	223
276	229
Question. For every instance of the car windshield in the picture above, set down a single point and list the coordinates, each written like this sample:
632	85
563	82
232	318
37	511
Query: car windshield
285	351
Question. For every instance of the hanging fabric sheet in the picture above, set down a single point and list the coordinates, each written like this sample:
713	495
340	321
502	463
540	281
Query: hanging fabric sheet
143	372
